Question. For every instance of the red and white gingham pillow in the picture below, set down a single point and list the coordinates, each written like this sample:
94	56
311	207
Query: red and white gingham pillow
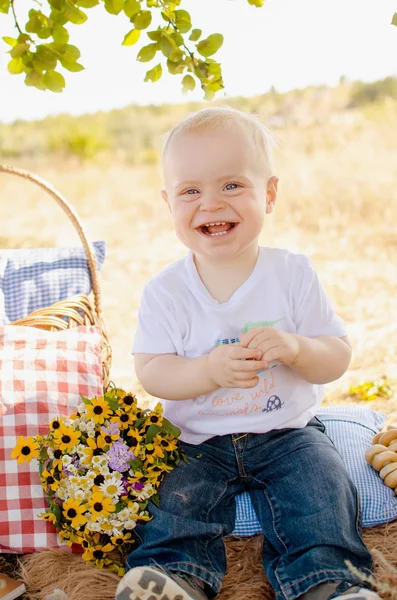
42	375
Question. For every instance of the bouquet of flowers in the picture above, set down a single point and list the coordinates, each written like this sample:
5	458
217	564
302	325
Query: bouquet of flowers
98	468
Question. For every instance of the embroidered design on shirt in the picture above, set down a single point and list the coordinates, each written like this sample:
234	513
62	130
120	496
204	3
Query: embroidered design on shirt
247	327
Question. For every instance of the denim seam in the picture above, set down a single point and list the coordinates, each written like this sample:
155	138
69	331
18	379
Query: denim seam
240	462
244	445
212	580
274	519
339	573
210	509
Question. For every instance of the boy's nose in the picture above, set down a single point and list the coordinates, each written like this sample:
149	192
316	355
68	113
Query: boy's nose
211	202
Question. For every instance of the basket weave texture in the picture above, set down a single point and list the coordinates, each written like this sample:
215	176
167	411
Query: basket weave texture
77	310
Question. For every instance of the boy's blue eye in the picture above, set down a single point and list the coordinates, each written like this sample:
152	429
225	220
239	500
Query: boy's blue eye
191	192
231	184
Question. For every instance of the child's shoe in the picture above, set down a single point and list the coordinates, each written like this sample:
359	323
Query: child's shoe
153	583
357	593
329	591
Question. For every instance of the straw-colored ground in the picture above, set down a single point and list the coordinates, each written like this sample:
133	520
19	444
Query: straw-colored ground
337	203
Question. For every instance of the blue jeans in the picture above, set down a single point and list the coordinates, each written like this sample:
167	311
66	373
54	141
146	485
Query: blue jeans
303	496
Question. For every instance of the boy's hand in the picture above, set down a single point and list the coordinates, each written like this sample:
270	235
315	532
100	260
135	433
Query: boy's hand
274	345
233	366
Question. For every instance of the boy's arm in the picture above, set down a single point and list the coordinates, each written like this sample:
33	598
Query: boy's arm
173	377
321	359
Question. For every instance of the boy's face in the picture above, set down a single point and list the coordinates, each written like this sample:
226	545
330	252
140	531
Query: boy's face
217	192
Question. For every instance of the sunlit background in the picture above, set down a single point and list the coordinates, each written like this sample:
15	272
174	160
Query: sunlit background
321	74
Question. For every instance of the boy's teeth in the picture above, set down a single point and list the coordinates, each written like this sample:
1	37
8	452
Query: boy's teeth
219	233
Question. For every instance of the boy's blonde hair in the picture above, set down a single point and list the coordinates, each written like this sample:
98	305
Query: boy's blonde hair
216	118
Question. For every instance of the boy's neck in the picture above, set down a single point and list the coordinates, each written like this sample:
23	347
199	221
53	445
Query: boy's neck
223	277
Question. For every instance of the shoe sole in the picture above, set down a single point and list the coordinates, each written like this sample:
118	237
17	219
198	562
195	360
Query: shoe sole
361	595
144	583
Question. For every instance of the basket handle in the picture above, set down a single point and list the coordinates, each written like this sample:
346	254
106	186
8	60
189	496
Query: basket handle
66	207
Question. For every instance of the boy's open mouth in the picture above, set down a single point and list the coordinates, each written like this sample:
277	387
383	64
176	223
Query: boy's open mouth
217	229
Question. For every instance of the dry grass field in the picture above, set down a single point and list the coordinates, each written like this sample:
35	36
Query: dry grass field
337	203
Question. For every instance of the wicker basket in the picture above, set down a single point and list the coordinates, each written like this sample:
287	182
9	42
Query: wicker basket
77	310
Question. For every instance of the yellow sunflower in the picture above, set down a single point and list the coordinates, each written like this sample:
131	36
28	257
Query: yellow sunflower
50	517
128	403
48	480
55	424
122	419
121	539
97	553
169	444
152	452
25	450
98	410
57	460
66	438
100	505
107	438
74	512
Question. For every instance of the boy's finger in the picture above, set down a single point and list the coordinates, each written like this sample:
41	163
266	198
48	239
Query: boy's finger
236	352
247	366
248	337
248	384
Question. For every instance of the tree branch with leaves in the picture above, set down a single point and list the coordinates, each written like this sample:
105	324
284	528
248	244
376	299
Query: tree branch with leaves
41	45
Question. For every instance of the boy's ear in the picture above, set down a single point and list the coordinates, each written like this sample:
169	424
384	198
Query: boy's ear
164	195
271	193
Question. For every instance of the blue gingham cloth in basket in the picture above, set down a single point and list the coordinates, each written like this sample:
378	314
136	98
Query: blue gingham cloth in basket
35	278
352	429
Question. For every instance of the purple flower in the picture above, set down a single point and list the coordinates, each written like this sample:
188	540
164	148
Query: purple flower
119	455
138	485
112	429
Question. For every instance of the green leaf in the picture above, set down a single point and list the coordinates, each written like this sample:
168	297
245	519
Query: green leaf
4	6
16	66
147	53
131	8
33	79
177	56
45	33
73	67
155	499
257	3
60	34
19	49
54	81
74	14
394	19
175	68
155	35
87	3
195	35
47	58
209	46
183	21
188	84
112	402
10	41
167	46
114	7
170	428
153	429
177	38
135	464
132	37
142	19
71	53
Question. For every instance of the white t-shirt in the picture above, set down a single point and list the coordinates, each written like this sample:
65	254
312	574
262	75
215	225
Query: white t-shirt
178	315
